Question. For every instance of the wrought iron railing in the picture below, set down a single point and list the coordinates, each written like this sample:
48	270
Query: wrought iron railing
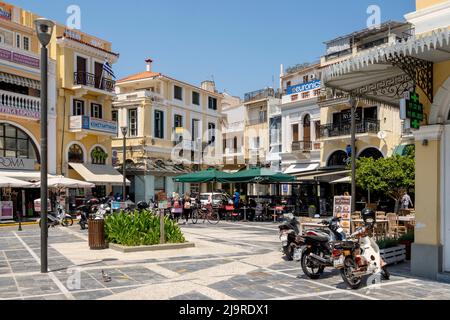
92	80
262	94
302	146
344	129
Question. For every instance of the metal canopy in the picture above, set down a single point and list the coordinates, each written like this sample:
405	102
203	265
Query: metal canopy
383	73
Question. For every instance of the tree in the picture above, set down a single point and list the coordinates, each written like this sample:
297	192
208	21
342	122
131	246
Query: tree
392	176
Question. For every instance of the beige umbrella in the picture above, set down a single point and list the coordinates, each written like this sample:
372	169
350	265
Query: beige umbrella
6	182
61	182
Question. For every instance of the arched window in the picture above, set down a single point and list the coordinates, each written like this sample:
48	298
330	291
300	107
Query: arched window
337	159
371	153
98	156
75	154
15	143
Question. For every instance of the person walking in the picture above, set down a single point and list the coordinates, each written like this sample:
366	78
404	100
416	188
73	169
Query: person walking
406	201
236	199
187	207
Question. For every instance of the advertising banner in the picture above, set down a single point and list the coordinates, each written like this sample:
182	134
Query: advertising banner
342	208
6	210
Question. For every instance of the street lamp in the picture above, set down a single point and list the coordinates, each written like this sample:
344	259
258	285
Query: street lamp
44	30
124	191
353	105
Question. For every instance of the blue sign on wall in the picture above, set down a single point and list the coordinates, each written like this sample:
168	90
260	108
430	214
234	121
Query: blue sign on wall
99	125
304	87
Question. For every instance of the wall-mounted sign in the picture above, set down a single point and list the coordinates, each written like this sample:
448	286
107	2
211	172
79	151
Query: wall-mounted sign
6	210
19	58
20	112
5	11
304	87
88	123
16	164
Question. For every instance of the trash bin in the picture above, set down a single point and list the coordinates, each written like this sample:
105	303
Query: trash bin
97	239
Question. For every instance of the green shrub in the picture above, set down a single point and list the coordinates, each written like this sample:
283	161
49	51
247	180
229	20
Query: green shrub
407	237
387	243
140	228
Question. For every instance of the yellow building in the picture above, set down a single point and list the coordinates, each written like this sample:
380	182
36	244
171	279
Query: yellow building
172	129
80	122
419	61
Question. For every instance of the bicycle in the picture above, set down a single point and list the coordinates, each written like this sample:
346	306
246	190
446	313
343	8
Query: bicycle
206	213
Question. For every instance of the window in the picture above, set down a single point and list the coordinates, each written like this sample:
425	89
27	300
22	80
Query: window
178	121
211	133
160	184
76	154
115	116
295	131
99	156
18	40
96	111
305	95
262	116
78	108
159	124
178	93
14	143
316	92
26	43
132	122
212	103
305	79
196	98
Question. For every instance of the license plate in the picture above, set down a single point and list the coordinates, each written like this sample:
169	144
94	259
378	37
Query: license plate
298	254
339	263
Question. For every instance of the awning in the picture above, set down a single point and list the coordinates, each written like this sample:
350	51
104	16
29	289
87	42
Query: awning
304	167
345	180
323	175
30	176
98	174
20	81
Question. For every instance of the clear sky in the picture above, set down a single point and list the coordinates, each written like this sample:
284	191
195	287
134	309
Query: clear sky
241	43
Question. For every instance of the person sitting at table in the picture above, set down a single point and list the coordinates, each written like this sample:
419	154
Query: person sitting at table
252	209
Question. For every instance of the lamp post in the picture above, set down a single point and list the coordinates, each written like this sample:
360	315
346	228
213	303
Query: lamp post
124	188
44	30
353	105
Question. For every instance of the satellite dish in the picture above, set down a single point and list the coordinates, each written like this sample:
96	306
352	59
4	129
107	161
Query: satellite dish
382	135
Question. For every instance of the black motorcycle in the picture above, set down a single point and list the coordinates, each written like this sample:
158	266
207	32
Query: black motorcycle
288	234
84	211
317	248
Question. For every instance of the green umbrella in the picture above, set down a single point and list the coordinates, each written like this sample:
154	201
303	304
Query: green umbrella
210	175
258	175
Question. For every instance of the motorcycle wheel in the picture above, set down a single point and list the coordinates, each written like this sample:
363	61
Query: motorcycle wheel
346	273
67	222
288	252
311	272
385	273
194	217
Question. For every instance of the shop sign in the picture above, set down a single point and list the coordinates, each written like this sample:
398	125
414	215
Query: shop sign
5	13
343	208
6	210
20	112
414	109
304	87
19	58
89	123
16	164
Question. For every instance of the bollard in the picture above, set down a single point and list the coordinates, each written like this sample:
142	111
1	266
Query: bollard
162	238
20	221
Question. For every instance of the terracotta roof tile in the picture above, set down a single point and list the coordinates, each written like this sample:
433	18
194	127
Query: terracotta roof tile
139	76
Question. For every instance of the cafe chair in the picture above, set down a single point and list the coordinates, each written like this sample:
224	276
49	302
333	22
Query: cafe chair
381	215
394	229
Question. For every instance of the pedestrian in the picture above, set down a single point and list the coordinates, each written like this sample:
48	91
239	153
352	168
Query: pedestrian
177	206
236	199
187	207
406	201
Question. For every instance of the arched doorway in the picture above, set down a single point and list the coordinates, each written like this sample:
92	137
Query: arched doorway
337	159
373	153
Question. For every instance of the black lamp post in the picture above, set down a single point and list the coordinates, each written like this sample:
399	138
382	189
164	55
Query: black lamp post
124	191
44	30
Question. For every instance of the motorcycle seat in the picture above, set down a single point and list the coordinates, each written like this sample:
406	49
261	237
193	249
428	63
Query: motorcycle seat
318	238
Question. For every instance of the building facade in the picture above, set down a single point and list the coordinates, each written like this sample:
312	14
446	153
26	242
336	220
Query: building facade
173	128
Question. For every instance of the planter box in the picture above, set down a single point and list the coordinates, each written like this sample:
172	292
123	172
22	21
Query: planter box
156	247
394	255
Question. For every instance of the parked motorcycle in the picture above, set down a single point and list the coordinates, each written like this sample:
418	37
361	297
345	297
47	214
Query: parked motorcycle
315	248
58	218
288	233
360	258
85	210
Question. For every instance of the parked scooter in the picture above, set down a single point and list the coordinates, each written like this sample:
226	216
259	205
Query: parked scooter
84	211
59	218
288	233
360	258
316	248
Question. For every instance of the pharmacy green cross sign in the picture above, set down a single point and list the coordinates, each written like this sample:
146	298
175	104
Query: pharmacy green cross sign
414	110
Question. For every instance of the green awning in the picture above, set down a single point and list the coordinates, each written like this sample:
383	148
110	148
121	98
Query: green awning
259	175
211	175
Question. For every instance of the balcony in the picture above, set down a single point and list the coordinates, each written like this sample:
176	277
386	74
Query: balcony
20	105
93	81
262	94
93	125
339	130
302	146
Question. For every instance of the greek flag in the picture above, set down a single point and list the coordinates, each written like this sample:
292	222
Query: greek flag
108	69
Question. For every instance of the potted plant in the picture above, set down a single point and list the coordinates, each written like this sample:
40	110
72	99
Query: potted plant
407	240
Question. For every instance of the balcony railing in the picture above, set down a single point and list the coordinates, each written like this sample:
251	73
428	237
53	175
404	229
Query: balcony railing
337	130
303	146
262	94
94	81
20	105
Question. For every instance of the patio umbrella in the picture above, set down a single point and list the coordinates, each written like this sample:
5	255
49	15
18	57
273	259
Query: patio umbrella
60	182
259	175
210	175
6	182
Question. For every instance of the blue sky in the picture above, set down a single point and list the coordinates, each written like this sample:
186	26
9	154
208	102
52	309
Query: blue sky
241	43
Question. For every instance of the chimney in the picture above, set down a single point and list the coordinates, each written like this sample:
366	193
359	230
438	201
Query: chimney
149	64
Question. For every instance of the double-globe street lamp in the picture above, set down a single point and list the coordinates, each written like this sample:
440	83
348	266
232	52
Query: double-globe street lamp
124	163
44	30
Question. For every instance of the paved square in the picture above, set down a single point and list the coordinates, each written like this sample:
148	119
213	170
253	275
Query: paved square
236	261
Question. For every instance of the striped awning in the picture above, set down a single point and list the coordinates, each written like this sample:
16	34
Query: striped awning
20	81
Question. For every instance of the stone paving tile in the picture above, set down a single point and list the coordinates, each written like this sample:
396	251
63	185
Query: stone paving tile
193	295
18	255
4	271
48	298
184	267
36	285
143	275
118	279
92	295
87	282
24	266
